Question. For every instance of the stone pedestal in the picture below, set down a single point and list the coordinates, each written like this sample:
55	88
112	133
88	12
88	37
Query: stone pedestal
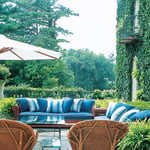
2	83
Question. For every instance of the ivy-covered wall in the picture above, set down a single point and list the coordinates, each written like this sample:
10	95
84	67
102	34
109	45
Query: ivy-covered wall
139	47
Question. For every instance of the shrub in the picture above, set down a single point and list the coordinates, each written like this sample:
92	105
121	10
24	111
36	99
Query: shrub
6	108
101	103
57	92
108	94
97	94
137	138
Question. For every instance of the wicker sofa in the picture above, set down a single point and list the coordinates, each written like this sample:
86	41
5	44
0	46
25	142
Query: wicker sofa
121	112
73	110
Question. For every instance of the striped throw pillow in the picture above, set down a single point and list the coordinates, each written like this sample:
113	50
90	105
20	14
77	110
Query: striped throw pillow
118	113
76	105
33	105
110	109
128	114
49	105
54	106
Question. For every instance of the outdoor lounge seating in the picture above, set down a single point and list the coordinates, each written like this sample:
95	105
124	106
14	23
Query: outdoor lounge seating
16	136
73	110
96	135
123	113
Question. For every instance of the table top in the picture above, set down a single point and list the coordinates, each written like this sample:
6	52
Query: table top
33	119
51	142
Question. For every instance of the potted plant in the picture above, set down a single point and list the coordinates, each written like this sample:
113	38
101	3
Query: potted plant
4	74
137	138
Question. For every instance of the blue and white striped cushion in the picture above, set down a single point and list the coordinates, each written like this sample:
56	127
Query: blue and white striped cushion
57	106
54	106
33	105
128	114
49	105
110	108
76	105
118	113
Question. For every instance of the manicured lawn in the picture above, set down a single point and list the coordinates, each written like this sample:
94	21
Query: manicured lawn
142	105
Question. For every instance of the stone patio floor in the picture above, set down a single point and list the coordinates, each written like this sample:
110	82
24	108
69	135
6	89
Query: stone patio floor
51	133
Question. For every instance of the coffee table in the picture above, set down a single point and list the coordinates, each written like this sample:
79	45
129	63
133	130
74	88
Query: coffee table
45	122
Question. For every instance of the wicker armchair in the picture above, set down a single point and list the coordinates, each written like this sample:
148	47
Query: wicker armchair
96	135
16	136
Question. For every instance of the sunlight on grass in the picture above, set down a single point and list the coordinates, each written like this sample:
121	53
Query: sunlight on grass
142	105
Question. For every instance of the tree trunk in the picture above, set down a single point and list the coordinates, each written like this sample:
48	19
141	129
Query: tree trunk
2	83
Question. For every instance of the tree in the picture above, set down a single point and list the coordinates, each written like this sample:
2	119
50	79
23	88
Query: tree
35	22
91	71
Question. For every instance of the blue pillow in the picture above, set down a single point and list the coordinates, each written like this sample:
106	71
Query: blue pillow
140	115
22	102
87	105
42	104
67	102
76	105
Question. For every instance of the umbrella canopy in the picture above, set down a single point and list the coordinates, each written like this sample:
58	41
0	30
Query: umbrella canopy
15	50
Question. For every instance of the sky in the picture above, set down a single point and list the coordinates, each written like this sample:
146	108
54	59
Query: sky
94	28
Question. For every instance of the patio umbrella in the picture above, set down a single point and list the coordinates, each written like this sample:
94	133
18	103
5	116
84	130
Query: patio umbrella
15	50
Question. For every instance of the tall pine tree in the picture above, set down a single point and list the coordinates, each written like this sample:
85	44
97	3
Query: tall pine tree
35	22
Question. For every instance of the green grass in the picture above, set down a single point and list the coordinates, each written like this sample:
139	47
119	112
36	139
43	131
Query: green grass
142	105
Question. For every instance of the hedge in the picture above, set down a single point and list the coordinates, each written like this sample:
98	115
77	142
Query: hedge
25	91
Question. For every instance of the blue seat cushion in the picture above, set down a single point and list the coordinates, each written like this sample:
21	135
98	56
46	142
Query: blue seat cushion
140	115
39	119
67	102
87	105
23	104
67	116
101	118
78	116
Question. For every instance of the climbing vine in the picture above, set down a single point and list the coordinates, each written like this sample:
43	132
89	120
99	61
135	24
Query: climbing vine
127	51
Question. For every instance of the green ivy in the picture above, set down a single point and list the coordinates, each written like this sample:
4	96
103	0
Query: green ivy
139	48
